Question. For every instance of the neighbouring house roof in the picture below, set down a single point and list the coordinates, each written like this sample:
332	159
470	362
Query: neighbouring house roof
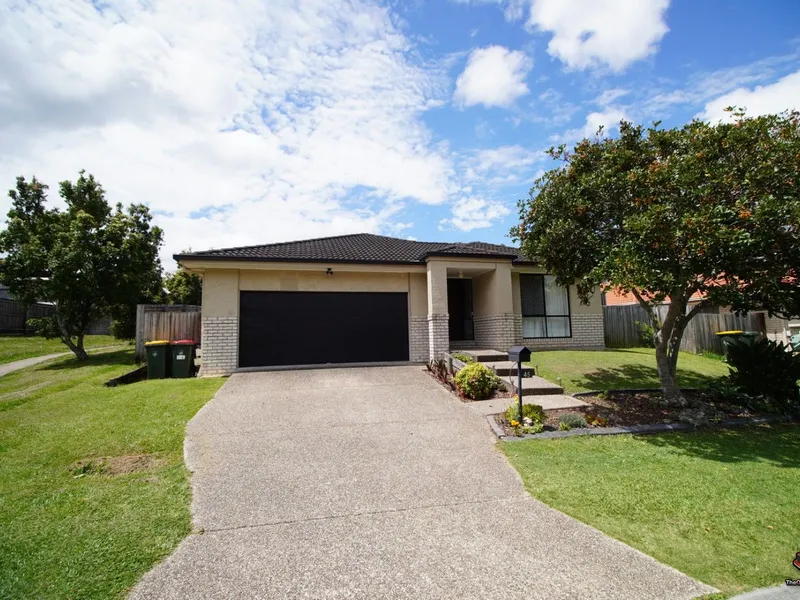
618	297
357	248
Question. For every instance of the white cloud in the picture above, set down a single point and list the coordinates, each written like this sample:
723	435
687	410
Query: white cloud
494	76
608	119
501	166
704	86
777	97
238	122
474	213
609	96
592	33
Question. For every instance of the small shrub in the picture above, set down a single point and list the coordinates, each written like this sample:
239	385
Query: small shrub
647	334
564	426
476	381
47	327
572	421
465	358
733	394
596	421
765	371
604	395
438	368
527	429
534	412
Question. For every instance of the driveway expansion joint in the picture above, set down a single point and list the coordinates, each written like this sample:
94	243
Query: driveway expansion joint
366	513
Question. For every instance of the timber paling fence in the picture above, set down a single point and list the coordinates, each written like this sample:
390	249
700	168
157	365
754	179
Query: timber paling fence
166	322
14	315
623	331
14	318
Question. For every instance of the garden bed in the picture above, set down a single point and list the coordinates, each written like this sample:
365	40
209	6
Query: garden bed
626	408
446	379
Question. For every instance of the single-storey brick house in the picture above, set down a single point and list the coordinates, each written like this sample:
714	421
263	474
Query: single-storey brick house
370	298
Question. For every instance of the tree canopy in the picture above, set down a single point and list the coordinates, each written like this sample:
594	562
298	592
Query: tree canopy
709	208
88	259
184	287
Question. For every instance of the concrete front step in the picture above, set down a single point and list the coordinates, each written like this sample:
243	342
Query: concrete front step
534	386
487	355
506	367
496	406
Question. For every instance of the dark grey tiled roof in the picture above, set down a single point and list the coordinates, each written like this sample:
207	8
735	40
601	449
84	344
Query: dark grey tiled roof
356	248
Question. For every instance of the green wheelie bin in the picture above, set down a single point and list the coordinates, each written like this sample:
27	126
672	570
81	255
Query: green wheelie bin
182	358
157	359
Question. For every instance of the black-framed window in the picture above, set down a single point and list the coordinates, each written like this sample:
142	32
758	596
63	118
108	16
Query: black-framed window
545	307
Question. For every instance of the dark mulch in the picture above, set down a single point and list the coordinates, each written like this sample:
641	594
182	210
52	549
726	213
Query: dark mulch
645	408
620	409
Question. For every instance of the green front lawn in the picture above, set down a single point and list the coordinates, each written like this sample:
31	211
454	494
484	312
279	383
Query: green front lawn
17	347
585	370
71	535
721	506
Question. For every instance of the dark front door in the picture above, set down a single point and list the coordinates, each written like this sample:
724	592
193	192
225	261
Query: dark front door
459	306
305	328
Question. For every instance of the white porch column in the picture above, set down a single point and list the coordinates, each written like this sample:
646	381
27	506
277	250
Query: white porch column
438	323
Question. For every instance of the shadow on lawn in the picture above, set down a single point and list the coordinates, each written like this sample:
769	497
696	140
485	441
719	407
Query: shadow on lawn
776	444
122	356
632	376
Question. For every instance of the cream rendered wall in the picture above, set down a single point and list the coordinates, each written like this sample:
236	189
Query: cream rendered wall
481	296
221	293
310	281
516	294
493	292
418	294
437	287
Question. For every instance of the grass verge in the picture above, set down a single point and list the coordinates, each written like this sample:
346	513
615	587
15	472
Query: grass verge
76	532
587	370
17	347
721	506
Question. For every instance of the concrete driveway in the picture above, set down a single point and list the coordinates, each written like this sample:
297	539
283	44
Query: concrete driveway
376	483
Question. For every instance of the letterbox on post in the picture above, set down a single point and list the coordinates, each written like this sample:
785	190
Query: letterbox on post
519	355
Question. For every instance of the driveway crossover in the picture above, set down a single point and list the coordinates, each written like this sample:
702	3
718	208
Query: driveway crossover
376	483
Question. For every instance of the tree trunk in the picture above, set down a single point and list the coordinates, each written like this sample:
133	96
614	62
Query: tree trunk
667	344
77	349
666	375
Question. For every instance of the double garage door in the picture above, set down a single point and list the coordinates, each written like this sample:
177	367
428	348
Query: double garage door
303	328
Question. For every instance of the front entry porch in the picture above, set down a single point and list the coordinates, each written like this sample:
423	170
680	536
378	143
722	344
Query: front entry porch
470	305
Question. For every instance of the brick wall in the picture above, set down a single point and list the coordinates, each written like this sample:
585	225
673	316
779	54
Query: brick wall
498	332
587	333
418	333
438	336
463	344
220	346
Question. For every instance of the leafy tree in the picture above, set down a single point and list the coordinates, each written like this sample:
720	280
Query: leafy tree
184	287
87	259
665	213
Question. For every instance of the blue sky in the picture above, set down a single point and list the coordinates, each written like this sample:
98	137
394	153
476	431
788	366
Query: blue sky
251	121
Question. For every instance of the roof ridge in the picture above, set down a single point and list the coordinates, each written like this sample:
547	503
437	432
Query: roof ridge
327	237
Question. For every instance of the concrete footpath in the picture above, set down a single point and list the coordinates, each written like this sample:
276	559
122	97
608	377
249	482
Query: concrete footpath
28	362
377	483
